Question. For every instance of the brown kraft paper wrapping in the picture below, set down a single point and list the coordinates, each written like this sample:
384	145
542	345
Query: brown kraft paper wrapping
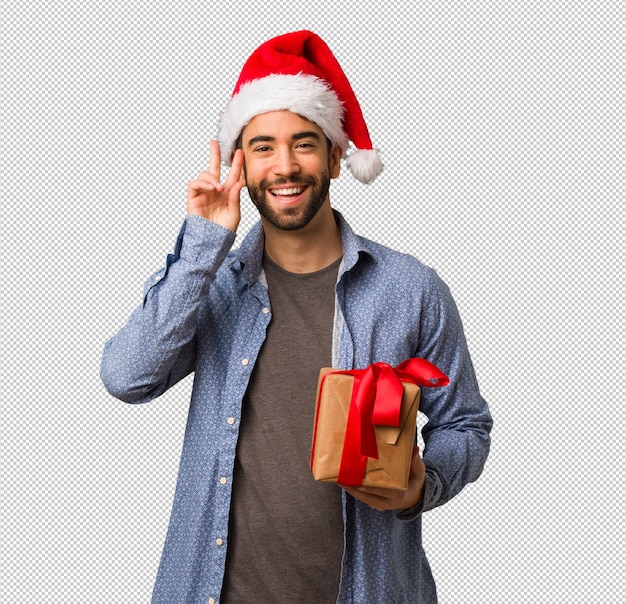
395	444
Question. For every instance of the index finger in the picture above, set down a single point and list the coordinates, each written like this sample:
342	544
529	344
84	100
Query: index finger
215	160
235	169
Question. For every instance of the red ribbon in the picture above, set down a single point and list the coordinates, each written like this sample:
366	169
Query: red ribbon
376	401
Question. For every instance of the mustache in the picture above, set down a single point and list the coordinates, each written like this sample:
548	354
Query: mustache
303	180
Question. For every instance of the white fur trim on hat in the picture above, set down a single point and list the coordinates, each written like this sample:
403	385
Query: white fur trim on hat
303	94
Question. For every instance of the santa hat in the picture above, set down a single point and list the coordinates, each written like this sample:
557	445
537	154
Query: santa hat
299	73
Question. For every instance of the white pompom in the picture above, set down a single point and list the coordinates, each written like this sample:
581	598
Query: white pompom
365	165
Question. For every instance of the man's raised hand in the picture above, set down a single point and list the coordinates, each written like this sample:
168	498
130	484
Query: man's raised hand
209	198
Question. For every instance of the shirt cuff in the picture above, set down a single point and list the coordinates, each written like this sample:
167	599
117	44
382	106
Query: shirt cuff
205	242
432	489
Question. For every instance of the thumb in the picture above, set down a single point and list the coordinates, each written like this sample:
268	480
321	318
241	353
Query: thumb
416	461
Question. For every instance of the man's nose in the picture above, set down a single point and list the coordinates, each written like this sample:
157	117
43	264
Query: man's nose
285	162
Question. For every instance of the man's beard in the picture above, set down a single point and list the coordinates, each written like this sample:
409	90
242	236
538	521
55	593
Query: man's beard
290	219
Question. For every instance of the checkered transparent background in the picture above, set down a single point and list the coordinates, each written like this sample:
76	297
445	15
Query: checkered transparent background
501	129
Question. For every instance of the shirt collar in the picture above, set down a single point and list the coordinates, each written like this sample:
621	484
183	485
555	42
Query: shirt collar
250	254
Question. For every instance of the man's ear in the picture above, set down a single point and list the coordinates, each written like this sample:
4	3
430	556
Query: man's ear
335	161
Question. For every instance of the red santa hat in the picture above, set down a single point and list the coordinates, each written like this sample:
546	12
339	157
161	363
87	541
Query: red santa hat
299	73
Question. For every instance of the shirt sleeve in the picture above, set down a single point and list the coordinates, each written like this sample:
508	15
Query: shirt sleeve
456	437
156	347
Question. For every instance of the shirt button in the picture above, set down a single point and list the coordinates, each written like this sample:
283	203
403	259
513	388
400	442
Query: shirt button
244	362
231	421
223	480
211	600
219	541
266	311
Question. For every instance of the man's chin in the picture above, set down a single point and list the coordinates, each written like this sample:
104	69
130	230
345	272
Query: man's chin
286	221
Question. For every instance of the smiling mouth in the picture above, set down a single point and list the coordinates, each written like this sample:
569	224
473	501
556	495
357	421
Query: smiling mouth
288	191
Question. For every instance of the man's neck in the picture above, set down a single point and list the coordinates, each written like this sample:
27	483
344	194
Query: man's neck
306	250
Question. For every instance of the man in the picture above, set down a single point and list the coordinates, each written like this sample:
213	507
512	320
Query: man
256	324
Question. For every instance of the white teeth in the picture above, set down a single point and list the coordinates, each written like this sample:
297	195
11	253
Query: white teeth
284	192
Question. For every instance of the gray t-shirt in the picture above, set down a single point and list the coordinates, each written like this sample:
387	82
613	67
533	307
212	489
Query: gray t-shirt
285	537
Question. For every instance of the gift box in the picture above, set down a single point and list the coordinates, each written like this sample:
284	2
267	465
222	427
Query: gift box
365	422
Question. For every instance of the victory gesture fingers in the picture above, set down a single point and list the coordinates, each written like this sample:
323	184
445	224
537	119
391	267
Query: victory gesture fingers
209	198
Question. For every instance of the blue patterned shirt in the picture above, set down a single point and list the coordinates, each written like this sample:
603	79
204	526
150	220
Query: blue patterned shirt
207	312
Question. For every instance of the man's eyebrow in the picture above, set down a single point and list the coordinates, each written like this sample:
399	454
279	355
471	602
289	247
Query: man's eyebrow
306	134
260	139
